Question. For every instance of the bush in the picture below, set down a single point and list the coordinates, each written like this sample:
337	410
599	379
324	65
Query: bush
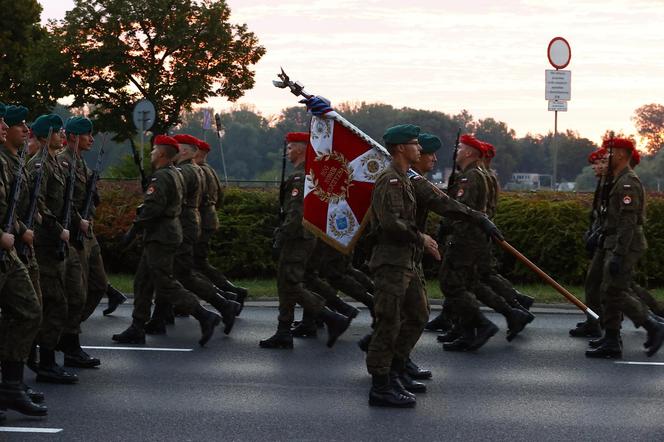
546	227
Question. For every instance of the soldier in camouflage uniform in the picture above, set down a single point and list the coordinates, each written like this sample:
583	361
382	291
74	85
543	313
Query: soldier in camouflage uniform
49	234
623	242
459	276
19	303
159	220
295	245
211	201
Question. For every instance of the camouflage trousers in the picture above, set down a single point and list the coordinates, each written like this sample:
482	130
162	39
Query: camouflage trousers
402	311
95	280
192	280
54	300
201	262
593	282
74	291
458	278
291	277
617	295
21	311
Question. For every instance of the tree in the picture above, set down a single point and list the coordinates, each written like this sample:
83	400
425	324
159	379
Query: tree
33	69
649	121
175	53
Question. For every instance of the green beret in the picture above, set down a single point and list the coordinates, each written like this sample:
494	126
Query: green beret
15	115
3	109
402	133
41	125
430	143
78	126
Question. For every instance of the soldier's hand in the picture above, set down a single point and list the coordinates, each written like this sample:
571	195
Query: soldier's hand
431	246
7	241
491	229
65	235
615	264
84	226
28	237
38	218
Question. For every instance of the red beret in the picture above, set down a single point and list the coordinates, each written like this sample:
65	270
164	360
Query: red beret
186	139
489	150
472	142
165	140
619	143
297	137
636	157
202	145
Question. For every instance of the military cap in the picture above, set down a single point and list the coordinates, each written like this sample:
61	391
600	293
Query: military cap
297	137
165	140
186	139
402	133
3	110
41	125
489	150
636	157
471	141
78	126
202	145
430	143
15	115
596	155
618	143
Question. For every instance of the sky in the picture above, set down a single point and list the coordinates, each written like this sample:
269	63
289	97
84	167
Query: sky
485	56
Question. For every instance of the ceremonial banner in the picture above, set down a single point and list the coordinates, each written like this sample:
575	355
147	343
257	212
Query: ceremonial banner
341	167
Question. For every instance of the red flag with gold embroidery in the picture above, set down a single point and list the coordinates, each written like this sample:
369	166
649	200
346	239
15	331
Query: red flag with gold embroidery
342	164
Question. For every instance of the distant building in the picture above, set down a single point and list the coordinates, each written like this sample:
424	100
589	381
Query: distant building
529	181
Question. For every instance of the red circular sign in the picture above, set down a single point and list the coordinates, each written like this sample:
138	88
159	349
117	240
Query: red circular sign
559	53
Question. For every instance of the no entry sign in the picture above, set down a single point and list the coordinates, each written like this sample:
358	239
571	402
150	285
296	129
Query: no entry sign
559	53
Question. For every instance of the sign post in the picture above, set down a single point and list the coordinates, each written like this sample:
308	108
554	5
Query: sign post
144	116
558	89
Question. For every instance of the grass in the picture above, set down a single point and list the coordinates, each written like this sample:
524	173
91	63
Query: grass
267	288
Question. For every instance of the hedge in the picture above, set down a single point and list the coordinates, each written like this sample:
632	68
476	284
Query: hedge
546	227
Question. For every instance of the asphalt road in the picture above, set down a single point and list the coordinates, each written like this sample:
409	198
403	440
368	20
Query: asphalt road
539	387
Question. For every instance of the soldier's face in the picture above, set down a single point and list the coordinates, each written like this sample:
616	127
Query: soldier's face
3	130
427	162
33	146
295	152
56	140
17	134
85	141
600	166
412	151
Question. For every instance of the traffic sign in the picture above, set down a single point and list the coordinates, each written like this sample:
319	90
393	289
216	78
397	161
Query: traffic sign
144	115
559	53
558	85
557	106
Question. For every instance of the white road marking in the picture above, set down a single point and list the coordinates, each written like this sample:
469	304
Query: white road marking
29	430
138	348
638	363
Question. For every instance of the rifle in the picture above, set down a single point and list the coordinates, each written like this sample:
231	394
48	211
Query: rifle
608	183
10	215
217	122
63	247
23	250
91	190
139	164
450	180
281	185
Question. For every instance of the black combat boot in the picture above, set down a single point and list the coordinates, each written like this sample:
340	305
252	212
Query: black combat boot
416	372
463	342
395	381
227	295
227	309
49	371
209	320
594	343
516	321
241	292
484	331
364	342
12	391
399	368
344	308
75	356
135	334
115	298
655	329
439	323
336	323
589	329
659	319
525	300
452	334
35	396
384	394
157	323
281	339
307	328
610	348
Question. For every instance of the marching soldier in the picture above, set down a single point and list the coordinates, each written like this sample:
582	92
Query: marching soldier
623	243
49	234
212	198
20	305
295	245
159	220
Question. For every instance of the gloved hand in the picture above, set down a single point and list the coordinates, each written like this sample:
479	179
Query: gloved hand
615	264
317	106
129	237
491	229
